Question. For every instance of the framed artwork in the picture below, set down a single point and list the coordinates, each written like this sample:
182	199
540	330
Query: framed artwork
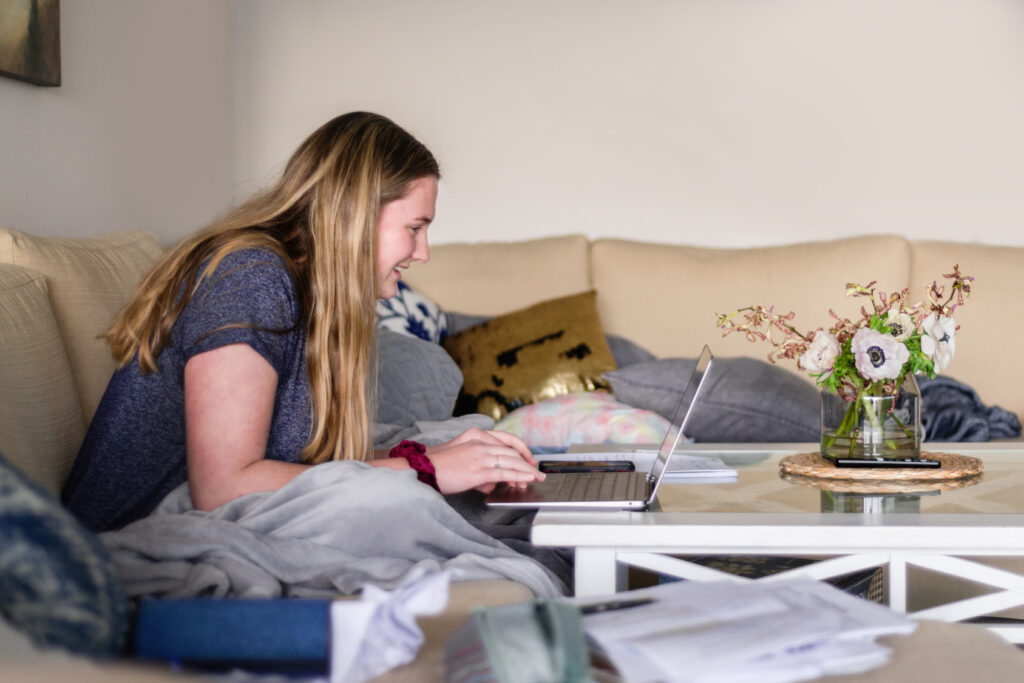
30	40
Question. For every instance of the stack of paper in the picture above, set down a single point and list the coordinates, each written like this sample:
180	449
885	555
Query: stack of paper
718	632
683	468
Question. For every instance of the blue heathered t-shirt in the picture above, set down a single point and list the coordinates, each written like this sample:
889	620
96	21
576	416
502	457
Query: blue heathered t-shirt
134	452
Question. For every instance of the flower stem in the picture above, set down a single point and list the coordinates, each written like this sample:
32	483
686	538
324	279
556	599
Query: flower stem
905	428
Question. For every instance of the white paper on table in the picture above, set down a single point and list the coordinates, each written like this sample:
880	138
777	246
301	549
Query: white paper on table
692	608
698	466
379	632
860	618
786	630
728	645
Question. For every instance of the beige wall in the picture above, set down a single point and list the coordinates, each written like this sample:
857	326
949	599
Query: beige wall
714	122
710	122
138	135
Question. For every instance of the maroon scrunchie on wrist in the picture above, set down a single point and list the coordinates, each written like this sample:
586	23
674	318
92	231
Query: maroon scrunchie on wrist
416	455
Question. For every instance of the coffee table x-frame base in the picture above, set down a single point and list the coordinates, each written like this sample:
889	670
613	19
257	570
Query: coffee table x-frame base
606	549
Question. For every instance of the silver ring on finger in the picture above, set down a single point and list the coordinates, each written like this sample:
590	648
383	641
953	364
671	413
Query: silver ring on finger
497	462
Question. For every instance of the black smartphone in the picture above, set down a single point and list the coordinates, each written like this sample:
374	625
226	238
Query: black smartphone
563	466
886	462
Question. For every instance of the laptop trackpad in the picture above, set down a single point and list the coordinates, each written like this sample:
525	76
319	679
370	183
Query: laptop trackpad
619	490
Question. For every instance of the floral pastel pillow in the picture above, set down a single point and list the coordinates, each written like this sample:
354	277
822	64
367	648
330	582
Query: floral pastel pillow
583	417
409	312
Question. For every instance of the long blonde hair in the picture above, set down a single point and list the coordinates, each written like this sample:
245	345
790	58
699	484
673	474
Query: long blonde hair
321	217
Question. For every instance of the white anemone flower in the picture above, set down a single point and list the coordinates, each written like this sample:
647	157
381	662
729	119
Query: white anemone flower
901	325
821	354
939	340
878	356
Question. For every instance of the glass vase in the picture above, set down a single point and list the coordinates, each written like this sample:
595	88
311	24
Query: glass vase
872	427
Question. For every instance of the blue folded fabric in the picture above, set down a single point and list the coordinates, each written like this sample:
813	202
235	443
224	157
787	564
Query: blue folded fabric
58	583
952	411
284	635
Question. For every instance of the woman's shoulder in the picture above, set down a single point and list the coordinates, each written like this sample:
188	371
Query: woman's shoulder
249	279
252	287
253	257
257	266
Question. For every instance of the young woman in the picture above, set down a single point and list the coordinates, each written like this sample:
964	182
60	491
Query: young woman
248	353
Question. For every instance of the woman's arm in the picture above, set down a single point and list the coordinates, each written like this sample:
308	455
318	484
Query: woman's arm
229	404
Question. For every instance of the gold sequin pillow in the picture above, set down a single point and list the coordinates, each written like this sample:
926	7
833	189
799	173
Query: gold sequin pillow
550	349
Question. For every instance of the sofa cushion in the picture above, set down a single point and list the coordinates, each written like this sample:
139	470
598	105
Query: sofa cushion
409	312
549	349
416	380
624	351
585	417
997	271
744	399
497	277
41	424
89	280
57	581
665	297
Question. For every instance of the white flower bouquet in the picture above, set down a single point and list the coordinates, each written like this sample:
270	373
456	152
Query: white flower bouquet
867	360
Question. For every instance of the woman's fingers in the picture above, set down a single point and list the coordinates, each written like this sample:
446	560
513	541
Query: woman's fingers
504	439
509	464
514	442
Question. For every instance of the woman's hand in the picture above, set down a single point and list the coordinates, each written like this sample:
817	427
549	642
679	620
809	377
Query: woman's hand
479	459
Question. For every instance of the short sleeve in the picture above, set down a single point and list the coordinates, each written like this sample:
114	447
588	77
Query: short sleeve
249	299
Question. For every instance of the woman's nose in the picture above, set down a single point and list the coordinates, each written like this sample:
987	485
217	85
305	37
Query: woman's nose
422	251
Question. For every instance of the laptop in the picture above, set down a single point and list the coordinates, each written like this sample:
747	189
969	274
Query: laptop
609	490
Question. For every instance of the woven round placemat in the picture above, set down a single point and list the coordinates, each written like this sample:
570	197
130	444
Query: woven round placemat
813	465
879	487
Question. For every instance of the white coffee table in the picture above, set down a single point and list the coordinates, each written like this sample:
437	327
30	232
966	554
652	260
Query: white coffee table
943	532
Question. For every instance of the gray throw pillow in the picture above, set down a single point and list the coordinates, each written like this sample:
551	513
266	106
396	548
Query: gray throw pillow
416	380
457	322
743	400
627	352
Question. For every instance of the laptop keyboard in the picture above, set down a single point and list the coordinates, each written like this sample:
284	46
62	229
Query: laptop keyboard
602	486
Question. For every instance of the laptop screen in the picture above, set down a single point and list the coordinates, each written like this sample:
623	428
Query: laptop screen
680	417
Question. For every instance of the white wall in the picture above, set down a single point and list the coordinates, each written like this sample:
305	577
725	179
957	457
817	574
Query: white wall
721	122
139	134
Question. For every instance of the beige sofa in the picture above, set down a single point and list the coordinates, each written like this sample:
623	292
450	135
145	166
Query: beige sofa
665	297
61	293
57	295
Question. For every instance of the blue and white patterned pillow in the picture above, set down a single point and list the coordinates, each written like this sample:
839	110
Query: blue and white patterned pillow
58	584
409	312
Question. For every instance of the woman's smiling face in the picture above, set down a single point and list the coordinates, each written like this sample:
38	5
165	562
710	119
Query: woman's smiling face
402	233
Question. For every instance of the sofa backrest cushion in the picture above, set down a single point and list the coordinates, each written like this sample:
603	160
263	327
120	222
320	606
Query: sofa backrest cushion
990	319
41	423
89	280
691	284
499	277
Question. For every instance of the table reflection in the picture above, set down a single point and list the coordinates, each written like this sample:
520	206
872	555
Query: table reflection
871	503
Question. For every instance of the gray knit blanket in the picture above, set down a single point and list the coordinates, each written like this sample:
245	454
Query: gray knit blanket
333	529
